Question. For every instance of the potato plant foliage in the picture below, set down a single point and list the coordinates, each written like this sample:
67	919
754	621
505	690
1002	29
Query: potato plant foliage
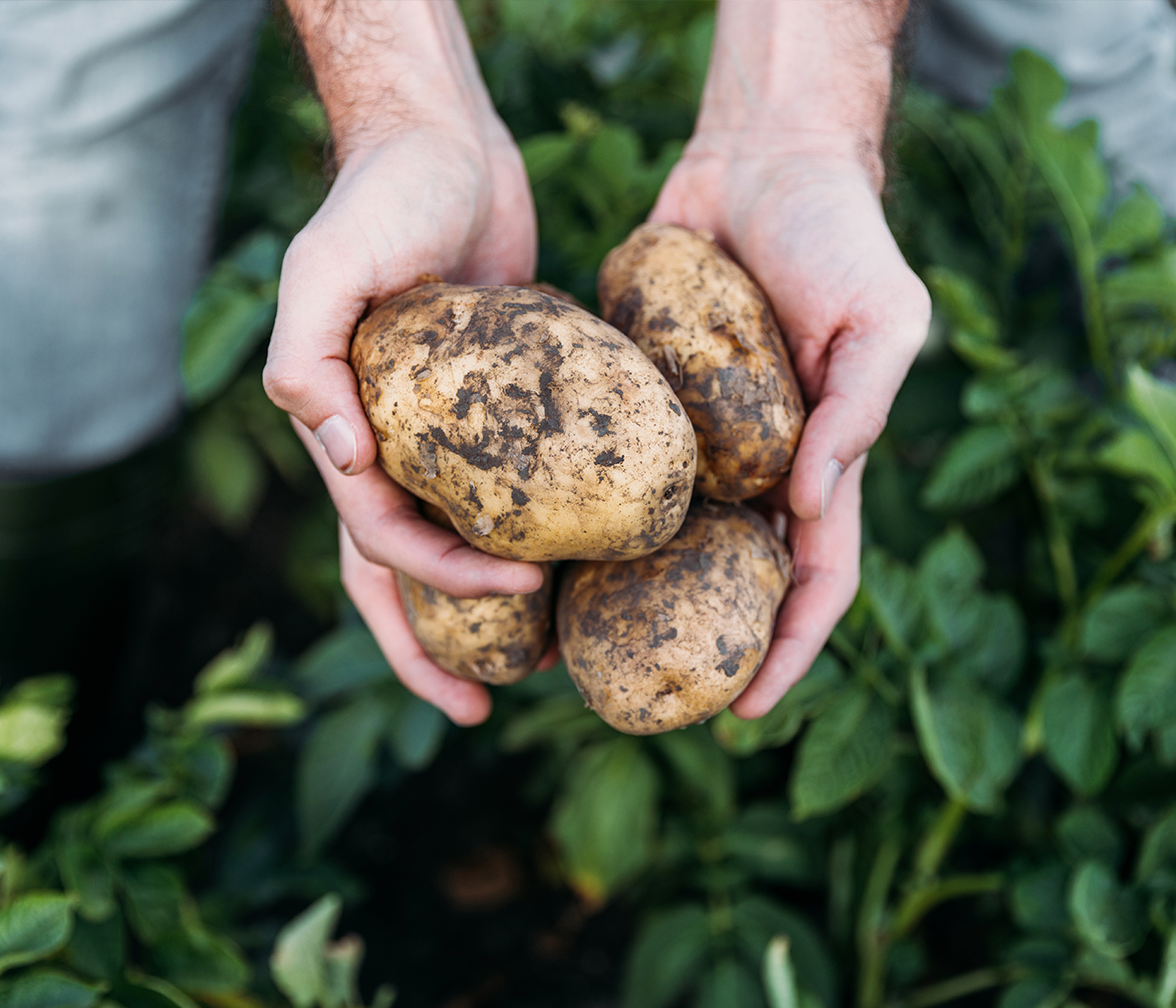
986	748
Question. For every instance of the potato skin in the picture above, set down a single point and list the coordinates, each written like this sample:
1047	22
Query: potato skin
497	639
709	328
672	638
541	431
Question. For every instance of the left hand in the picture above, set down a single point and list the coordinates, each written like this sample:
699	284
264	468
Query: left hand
809	227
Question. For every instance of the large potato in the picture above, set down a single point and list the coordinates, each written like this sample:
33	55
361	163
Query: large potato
672	638
711	332
541	431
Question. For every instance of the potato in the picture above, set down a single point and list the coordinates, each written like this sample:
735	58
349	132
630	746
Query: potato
541	431
711	332
497	639
672	638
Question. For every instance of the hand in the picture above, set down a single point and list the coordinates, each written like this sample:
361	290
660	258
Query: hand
431	182
811	231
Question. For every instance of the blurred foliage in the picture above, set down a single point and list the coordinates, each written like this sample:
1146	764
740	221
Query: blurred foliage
993	725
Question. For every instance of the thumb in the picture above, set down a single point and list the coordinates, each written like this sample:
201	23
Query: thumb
863	375
307	373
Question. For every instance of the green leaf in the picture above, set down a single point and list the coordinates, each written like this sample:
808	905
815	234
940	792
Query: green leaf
1035	85
1147	285
1155	402
703	771
758	920
995	655
779	977
605	818
207	770
1034	992
970	740
977	467
167	829
666	956
298	962
1119	620
34	926
764	841
1137	455
336	768
230	315
84	872
141	991
889	589
1146	696
845	752
235	666
949	574
729	983
557	720
966	304
1156	868
614	157
49	989
228	473
251	708
1106	915
200	962
1079	733
1086	833
547	153
345	660
782	723
1038	900
1135	225
417	733
31	732
98	949
155	899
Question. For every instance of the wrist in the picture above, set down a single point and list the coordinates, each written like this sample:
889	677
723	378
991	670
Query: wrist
384	68
806	79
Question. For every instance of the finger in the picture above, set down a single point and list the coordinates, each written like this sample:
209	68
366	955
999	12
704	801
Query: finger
865	365
549	660
374	591
322	294
826	563
387	530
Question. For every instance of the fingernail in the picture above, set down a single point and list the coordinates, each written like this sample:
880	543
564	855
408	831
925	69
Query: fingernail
829	478
338	441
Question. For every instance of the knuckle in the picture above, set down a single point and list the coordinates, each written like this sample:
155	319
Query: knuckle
286	388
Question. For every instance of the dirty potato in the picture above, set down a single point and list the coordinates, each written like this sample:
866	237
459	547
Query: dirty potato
710	330
541	431
672	638
497	639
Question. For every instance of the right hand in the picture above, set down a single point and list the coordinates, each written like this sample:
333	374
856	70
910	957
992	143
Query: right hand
423	200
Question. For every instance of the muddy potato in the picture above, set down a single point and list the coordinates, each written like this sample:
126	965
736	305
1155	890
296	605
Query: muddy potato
540	430
672	638
497	639
710	330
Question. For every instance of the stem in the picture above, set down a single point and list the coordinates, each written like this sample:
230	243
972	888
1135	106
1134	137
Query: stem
921	900
1085	260
960	986
1135	544
1166	997
938	838
1060	555
872	937
841	858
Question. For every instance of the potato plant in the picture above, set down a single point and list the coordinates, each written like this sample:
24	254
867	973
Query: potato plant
972	794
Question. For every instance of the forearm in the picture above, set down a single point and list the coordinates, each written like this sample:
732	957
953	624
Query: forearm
803	76
382	67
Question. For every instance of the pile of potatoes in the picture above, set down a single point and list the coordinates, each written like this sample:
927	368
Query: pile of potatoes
540	432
